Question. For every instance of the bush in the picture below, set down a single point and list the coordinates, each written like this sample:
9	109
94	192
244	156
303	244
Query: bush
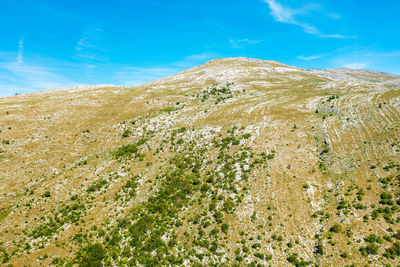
293	259
319	249
259	255
228	205
370	248
126	133
92	255
393	251
271	156
247	136
373	238
204	188
342	204
96	186
224	228
386	199
126	151
375	214
336	228
168	109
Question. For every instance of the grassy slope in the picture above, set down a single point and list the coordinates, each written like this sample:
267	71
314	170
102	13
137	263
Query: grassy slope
278	206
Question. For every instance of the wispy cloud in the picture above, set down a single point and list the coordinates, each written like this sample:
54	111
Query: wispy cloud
34	77
194	60
337	36
312	57
243	42
288	15
17	74
88	39
356	65
88	47
20	57
370	57
138	75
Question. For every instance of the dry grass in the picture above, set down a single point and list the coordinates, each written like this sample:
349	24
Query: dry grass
60	141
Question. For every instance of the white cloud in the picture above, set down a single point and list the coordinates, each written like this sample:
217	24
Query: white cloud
138	75
243	42
356	65
34	77
359	57
312	57
20	57
17	75
288	15
88	48
338	36
280	13
88	39
194	60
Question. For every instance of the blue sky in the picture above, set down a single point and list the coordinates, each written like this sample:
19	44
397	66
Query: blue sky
47	44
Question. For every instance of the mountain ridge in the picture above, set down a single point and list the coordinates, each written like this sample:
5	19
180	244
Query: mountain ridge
323	73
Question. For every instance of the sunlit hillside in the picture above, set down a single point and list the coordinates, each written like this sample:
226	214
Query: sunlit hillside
235	162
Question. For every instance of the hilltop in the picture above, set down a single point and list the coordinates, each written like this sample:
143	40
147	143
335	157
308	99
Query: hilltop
238	161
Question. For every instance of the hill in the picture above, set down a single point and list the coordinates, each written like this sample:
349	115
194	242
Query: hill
238	161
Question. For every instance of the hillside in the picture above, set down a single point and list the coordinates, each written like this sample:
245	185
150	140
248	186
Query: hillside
238	161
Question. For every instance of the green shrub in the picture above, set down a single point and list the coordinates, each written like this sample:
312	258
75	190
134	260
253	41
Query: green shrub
319	249
168	109
336	228
96	186
259	255
386	199
246	136
293	259
370	248
393	251
342	204
373	238
126	133
126	151
271	155
224	228
92	255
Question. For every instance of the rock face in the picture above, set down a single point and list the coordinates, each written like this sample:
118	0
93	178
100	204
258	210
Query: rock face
238	161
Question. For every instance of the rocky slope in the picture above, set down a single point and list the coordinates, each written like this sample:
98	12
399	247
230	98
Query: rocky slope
235	162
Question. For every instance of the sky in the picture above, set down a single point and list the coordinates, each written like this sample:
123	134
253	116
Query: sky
48	44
